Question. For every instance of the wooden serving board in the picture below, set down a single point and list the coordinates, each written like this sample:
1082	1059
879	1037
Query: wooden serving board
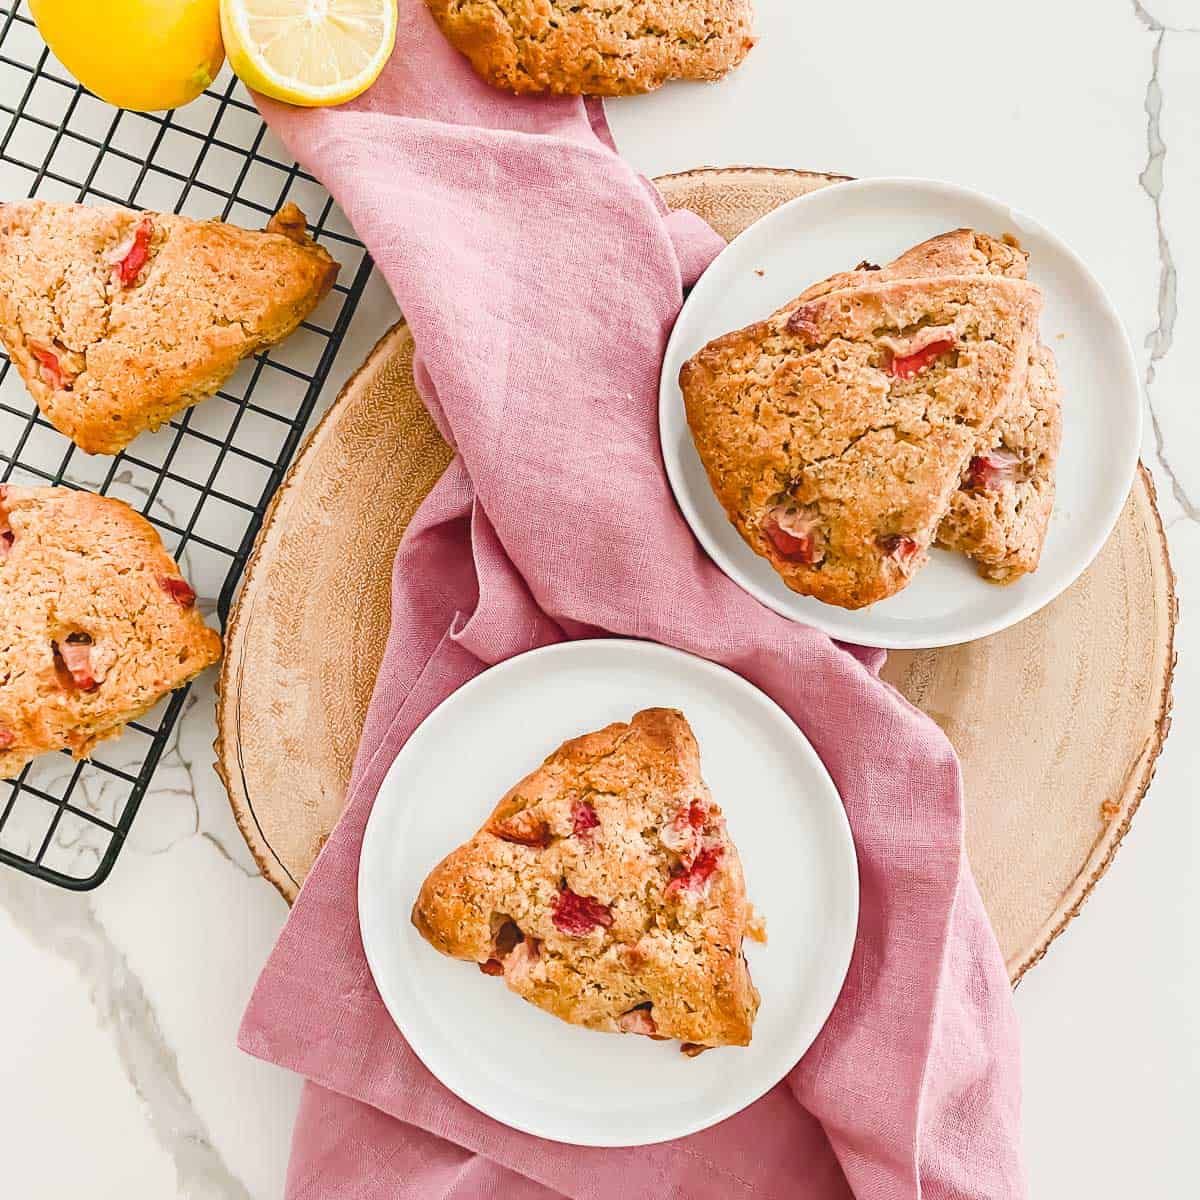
1058	721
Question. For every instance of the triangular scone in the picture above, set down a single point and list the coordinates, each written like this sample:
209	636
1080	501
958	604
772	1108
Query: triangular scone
96	622
836	432
605	889
599	47
999	515
117	319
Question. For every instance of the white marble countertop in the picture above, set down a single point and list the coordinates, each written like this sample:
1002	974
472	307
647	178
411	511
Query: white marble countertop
119	1007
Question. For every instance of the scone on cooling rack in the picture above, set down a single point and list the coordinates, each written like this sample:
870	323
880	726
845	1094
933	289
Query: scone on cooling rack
605	889
96	622
881	411
118	319
598	47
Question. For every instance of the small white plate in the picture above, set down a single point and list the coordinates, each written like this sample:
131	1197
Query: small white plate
523	1066
830	230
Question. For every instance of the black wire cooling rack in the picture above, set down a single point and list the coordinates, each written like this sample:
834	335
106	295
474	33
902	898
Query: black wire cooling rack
205	479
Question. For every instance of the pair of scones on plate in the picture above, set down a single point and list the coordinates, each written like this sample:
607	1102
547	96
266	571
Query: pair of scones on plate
605	889
596	47
881	412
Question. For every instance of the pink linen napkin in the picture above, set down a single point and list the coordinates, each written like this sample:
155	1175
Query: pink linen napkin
540	278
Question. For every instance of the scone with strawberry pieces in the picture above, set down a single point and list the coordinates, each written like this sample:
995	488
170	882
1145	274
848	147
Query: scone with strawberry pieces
117	320
96	622
836	432
885	411
1000	513
605	889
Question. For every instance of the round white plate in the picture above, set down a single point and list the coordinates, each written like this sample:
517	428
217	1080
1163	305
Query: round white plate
521	1065
830	230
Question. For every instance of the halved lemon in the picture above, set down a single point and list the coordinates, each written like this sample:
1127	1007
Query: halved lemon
308	52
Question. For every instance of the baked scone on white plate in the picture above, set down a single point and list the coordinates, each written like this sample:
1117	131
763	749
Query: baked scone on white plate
605	888
1014	523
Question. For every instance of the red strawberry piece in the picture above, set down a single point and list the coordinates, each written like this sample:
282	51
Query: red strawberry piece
692	1049
493	966
908	365
132	254
682	835
50	368
638	1020
794	531
990	472
178	589
7	737
523	829
902	549
6	541
583	818
76	653
803	323
695	880
579	915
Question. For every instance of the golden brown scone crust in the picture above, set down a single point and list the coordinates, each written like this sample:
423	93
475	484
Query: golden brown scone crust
128	355
596	47
622	819
85	570
800	418
959	252
1003	527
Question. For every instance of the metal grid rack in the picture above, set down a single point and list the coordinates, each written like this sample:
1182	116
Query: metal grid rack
204	479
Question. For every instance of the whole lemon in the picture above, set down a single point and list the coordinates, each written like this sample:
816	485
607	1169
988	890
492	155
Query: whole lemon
141	54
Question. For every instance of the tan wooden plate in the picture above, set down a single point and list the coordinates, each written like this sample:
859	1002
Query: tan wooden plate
1058	721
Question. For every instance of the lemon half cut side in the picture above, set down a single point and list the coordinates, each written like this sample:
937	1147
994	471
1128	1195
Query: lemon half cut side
309	52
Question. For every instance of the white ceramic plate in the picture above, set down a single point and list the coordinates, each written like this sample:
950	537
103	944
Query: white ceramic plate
517	1063
830	230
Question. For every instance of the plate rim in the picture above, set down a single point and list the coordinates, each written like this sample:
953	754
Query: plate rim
842	833
670	398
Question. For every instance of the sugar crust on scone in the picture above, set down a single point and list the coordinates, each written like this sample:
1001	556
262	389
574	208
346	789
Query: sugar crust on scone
96	622
605	889
117	320
597	47
832	461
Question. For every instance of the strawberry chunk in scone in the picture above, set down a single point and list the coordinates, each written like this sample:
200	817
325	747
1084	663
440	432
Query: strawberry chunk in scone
50	368
76	654
991	471
577	915
795	533
132	254
178	589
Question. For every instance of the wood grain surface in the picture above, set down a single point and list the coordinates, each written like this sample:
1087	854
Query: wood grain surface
1057	721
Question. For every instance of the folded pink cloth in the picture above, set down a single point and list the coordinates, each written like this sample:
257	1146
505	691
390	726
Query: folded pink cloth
540	278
